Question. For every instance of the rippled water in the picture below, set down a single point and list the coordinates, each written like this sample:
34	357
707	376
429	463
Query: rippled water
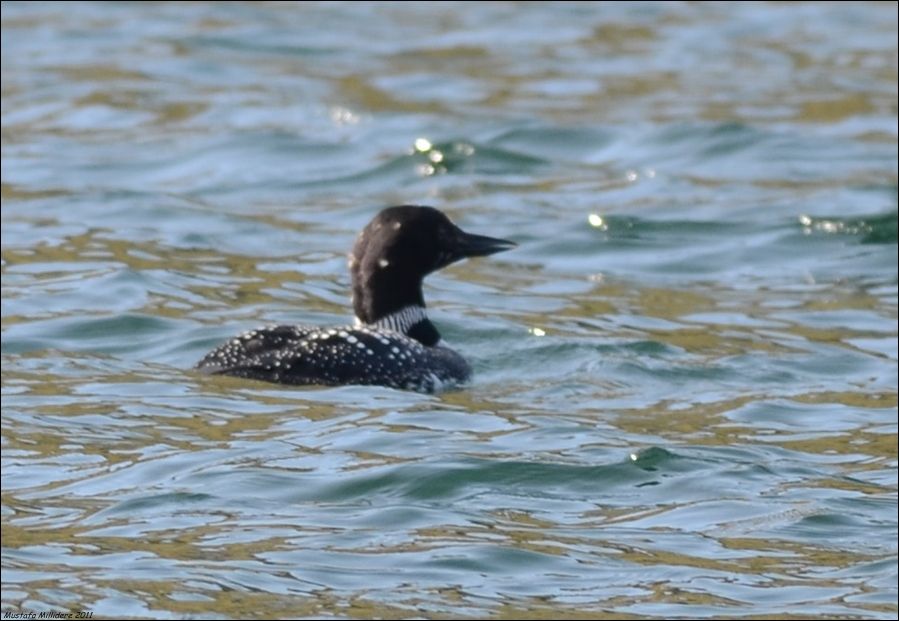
685	401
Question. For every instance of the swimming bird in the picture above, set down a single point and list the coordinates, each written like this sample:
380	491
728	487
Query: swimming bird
392	342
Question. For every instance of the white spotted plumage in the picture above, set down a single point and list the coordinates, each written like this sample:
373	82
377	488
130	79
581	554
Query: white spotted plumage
362	354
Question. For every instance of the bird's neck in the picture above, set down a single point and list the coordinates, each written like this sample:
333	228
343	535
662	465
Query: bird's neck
397	306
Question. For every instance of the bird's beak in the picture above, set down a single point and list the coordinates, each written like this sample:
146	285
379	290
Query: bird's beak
470	245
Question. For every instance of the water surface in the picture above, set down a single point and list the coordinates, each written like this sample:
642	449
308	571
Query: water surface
685	401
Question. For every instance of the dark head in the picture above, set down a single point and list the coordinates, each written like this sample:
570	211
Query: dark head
397	249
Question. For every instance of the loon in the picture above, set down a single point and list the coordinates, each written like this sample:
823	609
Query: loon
392	343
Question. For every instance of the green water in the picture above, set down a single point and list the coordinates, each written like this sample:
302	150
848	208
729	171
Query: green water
685	401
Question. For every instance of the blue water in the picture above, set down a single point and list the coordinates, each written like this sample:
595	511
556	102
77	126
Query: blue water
685	392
